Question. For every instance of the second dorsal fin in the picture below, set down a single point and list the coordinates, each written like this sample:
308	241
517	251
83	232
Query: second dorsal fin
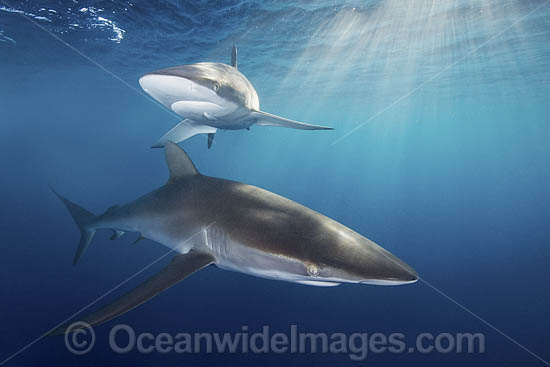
234	57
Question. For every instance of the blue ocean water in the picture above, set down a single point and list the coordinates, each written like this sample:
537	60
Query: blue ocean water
440	154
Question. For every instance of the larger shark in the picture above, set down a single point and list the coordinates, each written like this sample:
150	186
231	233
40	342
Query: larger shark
206	220
210	96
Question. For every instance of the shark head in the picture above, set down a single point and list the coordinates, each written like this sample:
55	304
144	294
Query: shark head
298	244
344	256
205	82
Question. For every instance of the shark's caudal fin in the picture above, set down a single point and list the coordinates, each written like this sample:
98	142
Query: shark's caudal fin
267	119
182	131
84	220
181	267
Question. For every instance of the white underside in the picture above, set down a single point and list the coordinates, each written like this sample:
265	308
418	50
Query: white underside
195	102
237	257
317	283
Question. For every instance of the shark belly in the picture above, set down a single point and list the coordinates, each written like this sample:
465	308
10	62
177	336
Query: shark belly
226	115
195	102
234	119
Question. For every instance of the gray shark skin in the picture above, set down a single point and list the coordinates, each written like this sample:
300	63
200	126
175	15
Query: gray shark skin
207	220
210	96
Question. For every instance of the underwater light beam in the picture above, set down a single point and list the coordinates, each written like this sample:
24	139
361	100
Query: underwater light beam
472	313
487	323
438	74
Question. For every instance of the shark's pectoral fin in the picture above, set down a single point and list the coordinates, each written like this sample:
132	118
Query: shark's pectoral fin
181	267
182	131
267	119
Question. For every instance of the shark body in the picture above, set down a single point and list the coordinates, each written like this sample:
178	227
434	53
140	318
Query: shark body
238	227
210	96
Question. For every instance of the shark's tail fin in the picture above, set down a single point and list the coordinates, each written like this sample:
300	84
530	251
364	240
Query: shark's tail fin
84	220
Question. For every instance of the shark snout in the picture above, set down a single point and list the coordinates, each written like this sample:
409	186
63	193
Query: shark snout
145	81
169	88
401	278
390	270
162	83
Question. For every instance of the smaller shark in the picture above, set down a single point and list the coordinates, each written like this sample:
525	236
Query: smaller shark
210	96
207	220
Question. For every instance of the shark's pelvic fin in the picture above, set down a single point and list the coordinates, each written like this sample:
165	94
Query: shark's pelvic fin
84	220
178	162
234	57
267	119
182	131
210	139
181	267
117	234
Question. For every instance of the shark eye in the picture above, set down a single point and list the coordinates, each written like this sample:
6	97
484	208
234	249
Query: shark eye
216	86
312	270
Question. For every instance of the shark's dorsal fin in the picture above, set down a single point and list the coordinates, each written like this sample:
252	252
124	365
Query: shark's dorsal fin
234	57
179	163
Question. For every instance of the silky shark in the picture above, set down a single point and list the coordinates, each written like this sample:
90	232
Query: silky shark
210	96
206	220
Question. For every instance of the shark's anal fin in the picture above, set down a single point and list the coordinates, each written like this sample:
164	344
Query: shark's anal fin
182	131
234	57
181	267
267	119
138	239
117	234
